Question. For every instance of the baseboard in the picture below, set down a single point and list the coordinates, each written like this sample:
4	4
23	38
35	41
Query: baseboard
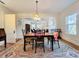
71	44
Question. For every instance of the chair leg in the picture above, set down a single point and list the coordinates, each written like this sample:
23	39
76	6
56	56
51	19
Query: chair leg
29	42
48	39
35	46
32	44
58	44
5	43
43	47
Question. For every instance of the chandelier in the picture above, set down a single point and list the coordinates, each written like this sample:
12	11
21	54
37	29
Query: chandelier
36	15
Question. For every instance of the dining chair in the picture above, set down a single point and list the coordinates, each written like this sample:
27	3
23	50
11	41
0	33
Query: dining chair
39	41
28	40
56	39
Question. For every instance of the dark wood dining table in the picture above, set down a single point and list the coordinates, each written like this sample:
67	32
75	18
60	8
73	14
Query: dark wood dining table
47	35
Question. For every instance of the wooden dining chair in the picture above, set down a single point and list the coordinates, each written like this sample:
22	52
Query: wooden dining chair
28	40
39	41
56	39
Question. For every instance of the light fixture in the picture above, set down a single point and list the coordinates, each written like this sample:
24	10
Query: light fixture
36	15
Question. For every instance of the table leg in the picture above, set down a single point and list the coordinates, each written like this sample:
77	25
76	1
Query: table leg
24	44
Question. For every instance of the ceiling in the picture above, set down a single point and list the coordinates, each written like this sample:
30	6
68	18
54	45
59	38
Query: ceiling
44	6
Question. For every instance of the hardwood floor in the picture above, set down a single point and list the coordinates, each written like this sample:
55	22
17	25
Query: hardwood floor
71	44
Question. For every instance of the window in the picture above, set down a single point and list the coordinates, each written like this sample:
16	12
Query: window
52	24
71	24
32	25
44	24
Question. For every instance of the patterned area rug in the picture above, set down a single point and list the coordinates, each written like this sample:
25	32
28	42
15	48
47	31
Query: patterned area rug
16	51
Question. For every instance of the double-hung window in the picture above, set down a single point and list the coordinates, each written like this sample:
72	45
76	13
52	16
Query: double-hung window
71	24
52	24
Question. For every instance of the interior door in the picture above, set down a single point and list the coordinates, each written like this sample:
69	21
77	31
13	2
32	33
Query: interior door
10	28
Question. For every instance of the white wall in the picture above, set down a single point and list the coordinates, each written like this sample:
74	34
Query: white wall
31	15
3	11
70	10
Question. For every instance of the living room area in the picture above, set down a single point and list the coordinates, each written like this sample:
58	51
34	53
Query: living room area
39	29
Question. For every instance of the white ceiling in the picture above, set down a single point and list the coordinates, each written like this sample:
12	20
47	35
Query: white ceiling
45	6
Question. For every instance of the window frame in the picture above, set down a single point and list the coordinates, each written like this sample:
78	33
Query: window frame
71	24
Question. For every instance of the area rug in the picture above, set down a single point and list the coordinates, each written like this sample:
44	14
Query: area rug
16	51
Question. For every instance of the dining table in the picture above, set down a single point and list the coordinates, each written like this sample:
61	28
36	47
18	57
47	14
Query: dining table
31	35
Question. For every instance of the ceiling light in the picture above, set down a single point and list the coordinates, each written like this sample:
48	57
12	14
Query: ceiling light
36	15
